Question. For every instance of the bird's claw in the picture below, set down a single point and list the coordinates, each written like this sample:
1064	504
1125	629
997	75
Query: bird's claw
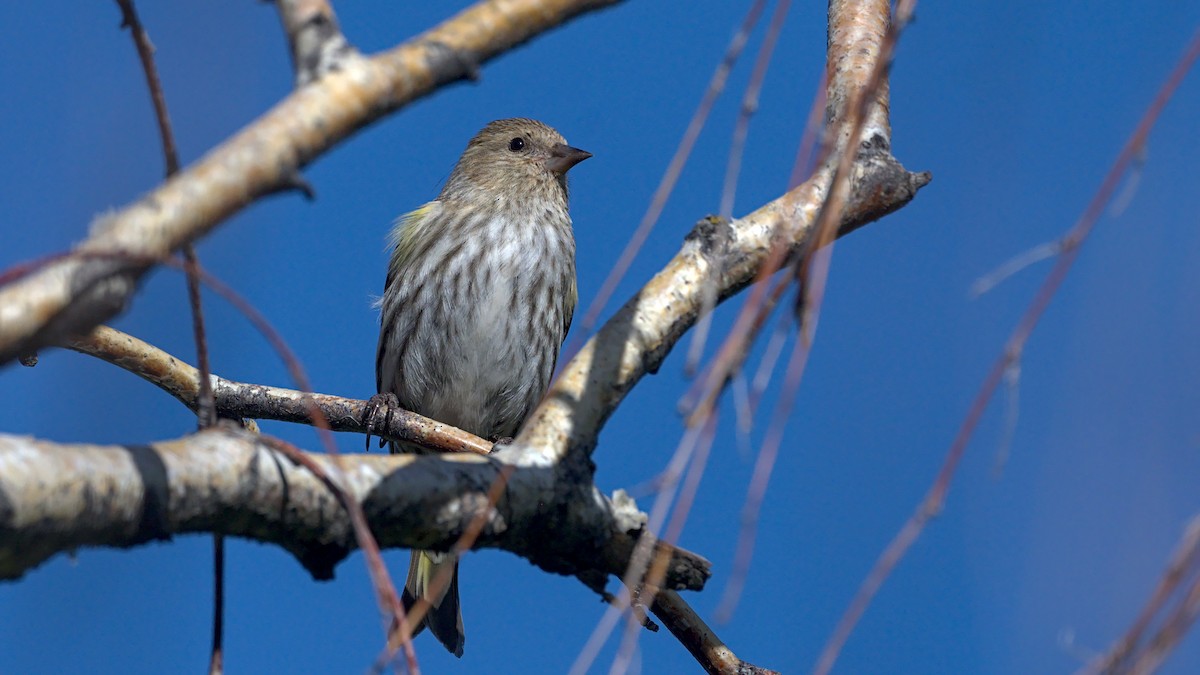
378	416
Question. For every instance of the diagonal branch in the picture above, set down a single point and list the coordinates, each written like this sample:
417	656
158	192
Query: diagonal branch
638	338
72	294
699	639
256	401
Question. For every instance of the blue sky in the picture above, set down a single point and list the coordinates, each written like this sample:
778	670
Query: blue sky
1017	108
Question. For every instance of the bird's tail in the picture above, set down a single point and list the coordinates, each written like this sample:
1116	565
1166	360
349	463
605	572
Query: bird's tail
444	616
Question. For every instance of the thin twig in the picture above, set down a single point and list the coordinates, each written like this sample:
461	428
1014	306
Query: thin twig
216	663
733	167
665	186
389	601
639	562
812	267
1181	566
1034	255
699	639
439	582
652	578
759	479
702	396
145	50
935	498
206	407
378	571
238	399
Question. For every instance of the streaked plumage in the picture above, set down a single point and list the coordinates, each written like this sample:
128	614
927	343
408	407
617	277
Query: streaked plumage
478	299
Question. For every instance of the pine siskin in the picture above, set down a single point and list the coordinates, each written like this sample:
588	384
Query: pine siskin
478	299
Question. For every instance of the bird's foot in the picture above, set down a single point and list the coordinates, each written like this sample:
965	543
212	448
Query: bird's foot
378	415
498	443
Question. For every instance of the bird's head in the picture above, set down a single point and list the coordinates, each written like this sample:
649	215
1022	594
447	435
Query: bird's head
516	157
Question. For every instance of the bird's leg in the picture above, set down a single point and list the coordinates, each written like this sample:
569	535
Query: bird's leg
379	406
497	443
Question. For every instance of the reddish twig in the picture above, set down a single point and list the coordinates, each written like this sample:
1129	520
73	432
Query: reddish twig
652	579
761	476
936	496
715	86
811	270
389	601
733	169
702	396
145	50
1181	567
206	414
641	558
375	565
438	583
382	581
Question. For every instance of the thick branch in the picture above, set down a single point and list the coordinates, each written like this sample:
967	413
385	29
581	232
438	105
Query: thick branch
856	33
60	497
71	295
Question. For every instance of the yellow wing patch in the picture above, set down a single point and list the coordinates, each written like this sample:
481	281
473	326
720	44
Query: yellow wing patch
408	228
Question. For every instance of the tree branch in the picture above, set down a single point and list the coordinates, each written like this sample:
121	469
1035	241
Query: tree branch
235	399
60	497
257	401
641	334
699	639
71	295
314	38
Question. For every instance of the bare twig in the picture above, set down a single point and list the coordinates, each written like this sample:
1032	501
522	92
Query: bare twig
206	408
935	498
761	476
733	169
699	639
639	336
665	186
646	570
145	50
1131	654
635	578
237	399
385	591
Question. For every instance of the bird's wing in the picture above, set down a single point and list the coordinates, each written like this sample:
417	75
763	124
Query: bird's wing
408	230
572	297
403	240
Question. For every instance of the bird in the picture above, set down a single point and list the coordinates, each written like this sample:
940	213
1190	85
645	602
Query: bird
479	296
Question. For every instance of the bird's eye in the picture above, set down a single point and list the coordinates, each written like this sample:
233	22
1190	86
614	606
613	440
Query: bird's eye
517	144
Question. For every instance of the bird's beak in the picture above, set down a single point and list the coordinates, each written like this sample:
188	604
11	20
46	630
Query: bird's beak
563	157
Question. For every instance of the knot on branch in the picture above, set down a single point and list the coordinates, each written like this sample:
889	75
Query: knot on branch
880	185
712	234
450	64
